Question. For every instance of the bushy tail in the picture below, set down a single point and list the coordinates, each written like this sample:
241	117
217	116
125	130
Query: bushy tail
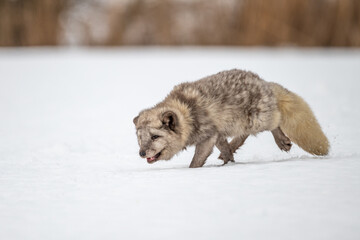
299	123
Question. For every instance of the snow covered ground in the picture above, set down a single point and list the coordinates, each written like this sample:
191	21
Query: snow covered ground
69	165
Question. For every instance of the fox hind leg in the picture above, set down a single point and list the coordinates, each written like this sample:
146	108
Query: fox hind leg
283	142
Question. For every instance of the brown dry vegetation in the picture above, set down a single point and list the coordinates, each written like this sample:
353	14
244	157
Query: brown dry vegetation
299	22
244	22
211	22
30	22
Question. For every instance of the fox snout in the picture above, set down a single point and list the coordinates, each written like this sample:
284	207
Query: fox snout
142	153
145	153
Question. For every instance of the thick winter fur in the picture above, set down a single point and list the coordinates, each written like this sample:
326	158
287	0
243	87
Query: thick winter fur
232	103
299	123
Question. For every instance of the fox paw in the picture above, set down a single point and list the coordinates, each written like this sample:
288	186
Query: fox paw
226	158
284	143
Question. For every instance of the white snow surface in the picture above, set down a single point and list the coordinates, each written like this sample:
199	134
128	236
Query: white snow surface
69	164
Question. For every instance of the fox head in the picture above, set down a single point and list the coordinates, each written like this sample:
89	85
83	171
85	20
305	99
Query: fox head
158	133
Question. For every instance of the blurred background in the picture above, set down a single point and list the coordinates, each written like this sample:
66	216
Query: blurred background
69	162
319	23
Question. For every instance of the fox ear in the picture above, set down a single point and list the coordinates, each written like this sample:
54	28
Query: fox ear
135	120
170	119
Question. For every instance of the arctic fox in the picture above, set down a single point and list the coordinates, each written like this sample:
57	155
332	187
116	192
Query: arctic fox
232	103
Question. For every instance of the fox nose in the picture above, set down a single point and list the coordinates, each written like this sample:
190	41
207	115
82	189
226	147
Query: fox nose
142	153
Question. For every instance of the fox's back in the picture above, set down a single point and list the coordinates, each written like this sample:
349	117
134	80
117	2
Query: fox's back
233	99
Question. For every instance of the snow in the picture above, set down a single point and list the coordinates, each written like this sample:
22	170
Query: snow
69	164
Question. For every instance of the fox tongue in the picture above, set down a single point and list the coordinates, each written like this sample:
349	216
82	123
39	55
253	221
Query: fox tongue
151	159
154	158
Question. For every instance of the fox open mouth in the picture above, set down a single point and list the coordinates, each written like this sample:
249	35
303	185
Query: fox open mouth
154	158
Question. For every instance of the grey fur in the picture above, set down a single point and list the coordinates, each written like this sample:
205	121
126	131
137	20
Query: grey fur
206	112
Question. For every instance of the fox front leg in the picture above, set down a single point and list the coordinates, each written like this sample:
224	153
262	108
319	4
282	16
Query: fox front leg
234	145
226	154
202	152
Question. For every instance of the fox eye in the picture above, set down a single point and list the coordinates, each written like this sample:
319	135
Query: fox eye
154	137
